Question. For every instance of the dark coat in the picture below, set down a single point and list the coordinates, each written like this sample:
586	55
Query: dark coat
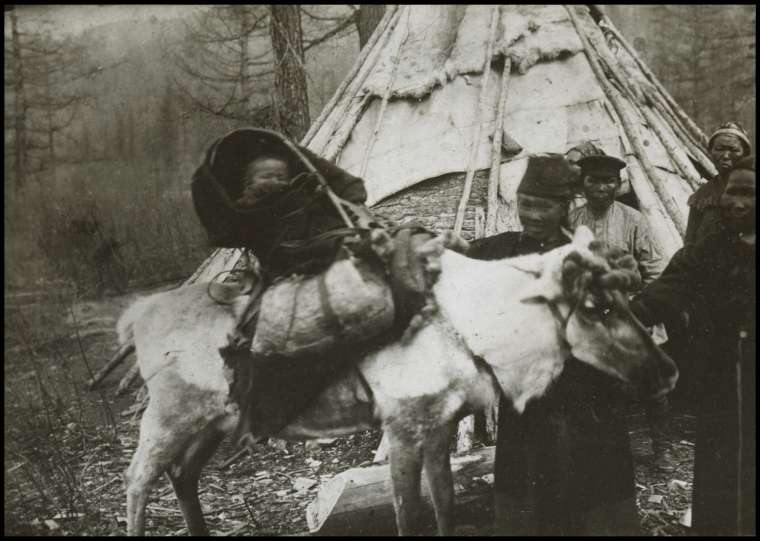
704	212
568	453
299	213
717	274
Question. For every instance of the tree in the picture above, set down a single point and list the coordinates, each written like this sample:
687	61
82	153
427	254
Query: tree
291	100
227	60
224	61
44	75
16	80
367	19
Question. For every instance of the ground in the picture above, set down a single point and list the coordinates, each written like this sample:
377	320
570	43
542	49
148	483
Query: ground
66	448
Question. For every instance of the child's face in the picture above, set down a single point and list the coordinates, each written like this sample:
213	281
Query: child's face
264	176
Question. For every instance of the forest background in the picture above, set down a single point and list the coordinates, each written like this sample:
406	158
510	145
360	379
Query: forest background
110	109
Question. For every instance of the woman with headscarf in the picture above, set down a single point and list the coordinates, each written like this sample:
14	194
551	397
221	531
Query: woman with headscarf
727	145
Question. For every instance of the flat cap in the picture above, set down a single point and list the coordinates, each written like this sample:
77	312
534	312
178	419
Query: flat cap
601	166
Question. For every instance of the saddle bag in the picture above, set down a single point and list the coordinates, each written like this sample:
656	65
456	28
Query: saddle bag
349	302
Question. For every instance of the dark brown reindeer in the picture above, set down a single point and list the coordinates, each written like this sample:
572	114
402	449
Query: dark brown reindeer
501	326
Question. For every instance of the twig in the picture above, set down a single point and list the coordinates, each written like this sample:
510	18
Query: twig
234	458
250	513
104	485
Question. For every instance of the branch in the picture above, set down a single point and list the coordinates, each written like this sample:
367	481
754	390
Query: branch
321	18
350	20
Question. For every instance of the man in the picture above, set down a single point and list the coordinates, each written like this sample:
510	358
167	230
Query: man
718	273
563	467
621	226
618	225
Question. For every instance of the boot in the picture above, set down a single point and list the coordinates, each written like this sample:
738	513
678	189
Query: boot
658	417
663	460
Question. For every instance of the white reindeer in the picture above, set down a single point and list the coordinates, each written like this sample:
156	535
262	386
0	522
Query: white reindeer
502	326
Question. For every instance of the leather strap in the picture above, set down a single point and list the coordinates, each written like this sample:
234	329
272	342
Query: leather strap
331	318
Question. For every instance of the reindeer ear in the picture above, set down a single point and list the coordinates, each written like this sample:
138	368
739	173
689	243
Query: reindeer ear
583	236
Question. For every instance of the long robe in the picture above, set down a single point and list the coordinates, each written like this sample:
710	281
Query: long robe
564	466
718	274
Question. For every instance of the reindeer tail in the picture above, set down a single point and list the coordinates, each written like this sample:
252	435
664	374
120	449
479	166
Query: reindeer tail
126	322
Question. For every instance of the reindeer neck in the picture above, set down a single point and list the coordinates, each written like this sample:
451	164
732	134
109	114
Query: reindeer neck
520	341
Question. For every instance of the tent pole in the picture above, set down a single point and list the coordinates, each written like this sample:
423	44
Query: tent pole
688	122
493	178
351	76
462	208
616	99
384	104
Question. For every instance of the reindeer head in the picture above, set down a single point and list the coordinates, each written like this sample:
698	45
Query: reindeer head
587	289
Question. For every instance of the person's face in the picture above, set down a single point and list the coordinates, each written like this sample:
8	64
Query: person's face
738	201
725	152
265	175
600	190
541	217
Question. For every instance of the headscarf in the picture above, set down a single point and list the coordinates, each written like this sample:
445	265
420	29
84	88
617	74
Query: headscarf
734	129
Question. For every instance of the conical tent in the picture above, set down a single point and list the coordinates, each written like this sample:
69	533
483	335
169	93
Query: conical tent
445	102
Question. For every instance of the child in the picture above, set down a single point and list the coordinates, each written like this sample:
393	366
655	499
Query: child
263	176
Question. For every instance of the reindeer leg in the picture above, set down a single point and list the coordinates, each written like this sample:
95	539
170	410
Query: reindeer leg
186	470
406	468
439	478
160	442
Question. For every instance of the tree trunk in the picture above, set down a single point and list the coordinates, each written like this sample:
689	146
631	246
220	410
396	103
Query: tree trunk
19	105
367	19
291	103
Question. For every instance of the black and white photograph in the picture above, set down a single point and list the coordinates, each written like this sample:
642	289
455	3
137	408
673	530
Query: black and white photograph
380	270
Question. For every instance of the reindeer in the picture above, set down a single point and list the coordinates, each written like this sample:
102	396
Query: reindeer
501	327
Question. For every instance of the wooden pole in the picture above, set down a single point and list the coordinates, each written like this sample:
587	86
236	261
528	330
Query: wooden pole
341	125
115	361
676	155
351	75
498	131
128	379
627	122
384	103
688	122
462	208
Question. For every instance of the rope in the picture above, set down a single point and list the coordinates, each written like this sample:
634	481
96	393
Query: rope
461	209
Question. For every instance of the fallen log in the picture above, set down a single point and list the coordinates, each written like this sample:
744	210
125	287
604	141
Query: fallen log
359	501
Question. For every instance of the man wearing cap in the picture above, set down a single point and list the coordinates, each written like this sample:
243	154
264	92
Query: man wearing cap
563	467
542	203
616	224
726	146
621	226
